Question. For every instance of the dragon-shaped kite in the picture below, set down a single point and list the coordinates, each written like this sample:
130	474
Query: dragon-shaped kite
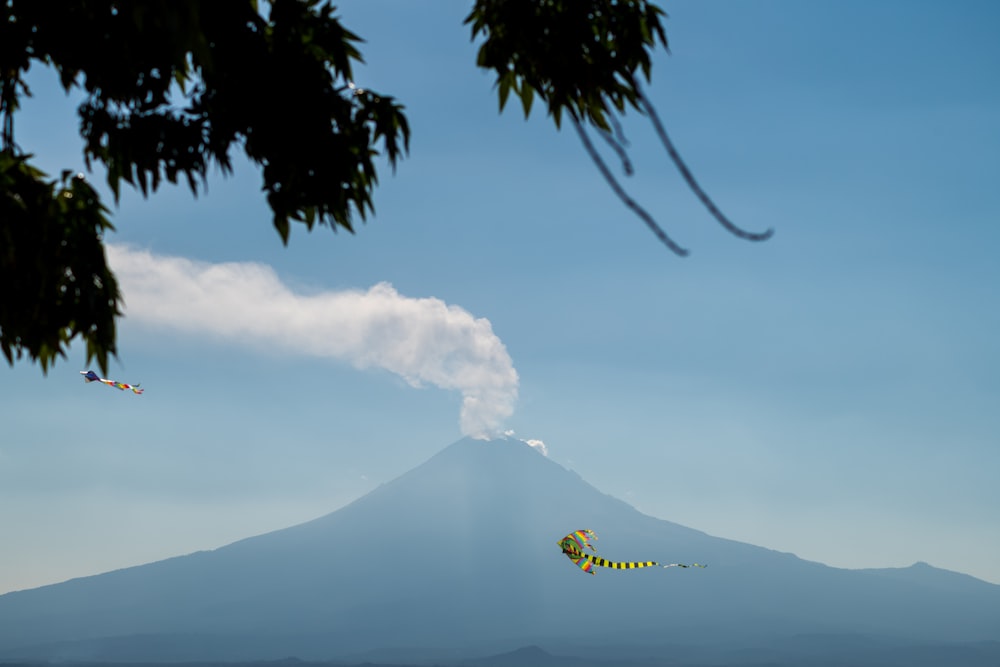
573	546
91	376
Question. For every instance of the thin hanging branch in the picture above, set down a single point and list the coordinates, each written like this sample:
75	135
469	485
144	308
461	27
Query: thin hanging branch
618	143
689	177
619	150
619	133
618	190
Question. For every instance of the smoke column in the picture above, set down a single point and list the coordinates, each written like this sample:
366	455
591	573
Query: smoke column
425	341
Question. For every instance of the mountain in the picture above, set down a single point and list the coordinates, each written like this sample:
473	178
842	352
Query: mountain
459	555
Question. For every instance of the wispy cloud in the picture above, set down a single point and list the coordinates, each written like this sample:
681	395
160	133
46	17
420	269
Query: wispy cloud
425	341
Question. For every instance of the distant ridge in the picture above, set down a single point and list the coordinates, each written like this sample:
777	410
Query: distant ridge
458	557
923	574
527	655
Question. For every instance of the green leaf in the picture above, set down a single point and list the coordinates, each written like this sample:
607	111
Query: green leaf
527	95
505	83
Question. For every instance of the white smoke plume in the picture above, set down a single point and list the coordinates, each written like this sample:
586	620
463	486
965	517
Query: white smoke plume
422	340
535	444
538	445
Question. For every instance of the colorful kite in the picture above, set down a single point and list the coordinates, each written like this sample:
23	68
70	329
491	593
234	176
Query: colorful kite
91	376
573	546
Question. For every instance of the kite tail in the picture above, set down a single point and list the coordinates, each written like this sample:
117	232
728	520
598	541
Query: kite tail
683	565
596	560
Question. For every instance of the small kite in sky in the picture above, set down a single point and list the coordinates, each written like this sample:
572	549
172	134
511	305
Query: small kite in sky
573	546
91	376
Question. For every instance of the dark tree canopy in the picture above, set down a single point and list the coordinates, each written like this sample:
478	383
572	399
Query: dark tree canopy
173	87
584	58
577	56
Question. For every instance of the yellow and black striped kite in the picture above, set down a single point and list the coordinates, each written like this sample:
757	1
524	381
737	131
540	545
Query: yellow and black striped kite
573	546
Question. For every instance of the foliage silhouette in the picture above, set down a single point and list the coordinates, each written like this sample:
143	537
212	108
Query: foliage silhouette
173	87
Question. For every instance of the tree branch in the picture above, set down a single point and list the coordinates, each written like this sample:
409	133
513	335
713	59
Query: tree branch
8	103
689	177
618	190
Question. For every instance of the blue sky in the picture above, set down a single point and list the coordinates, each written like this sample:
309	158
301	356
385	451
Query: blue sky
832	392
